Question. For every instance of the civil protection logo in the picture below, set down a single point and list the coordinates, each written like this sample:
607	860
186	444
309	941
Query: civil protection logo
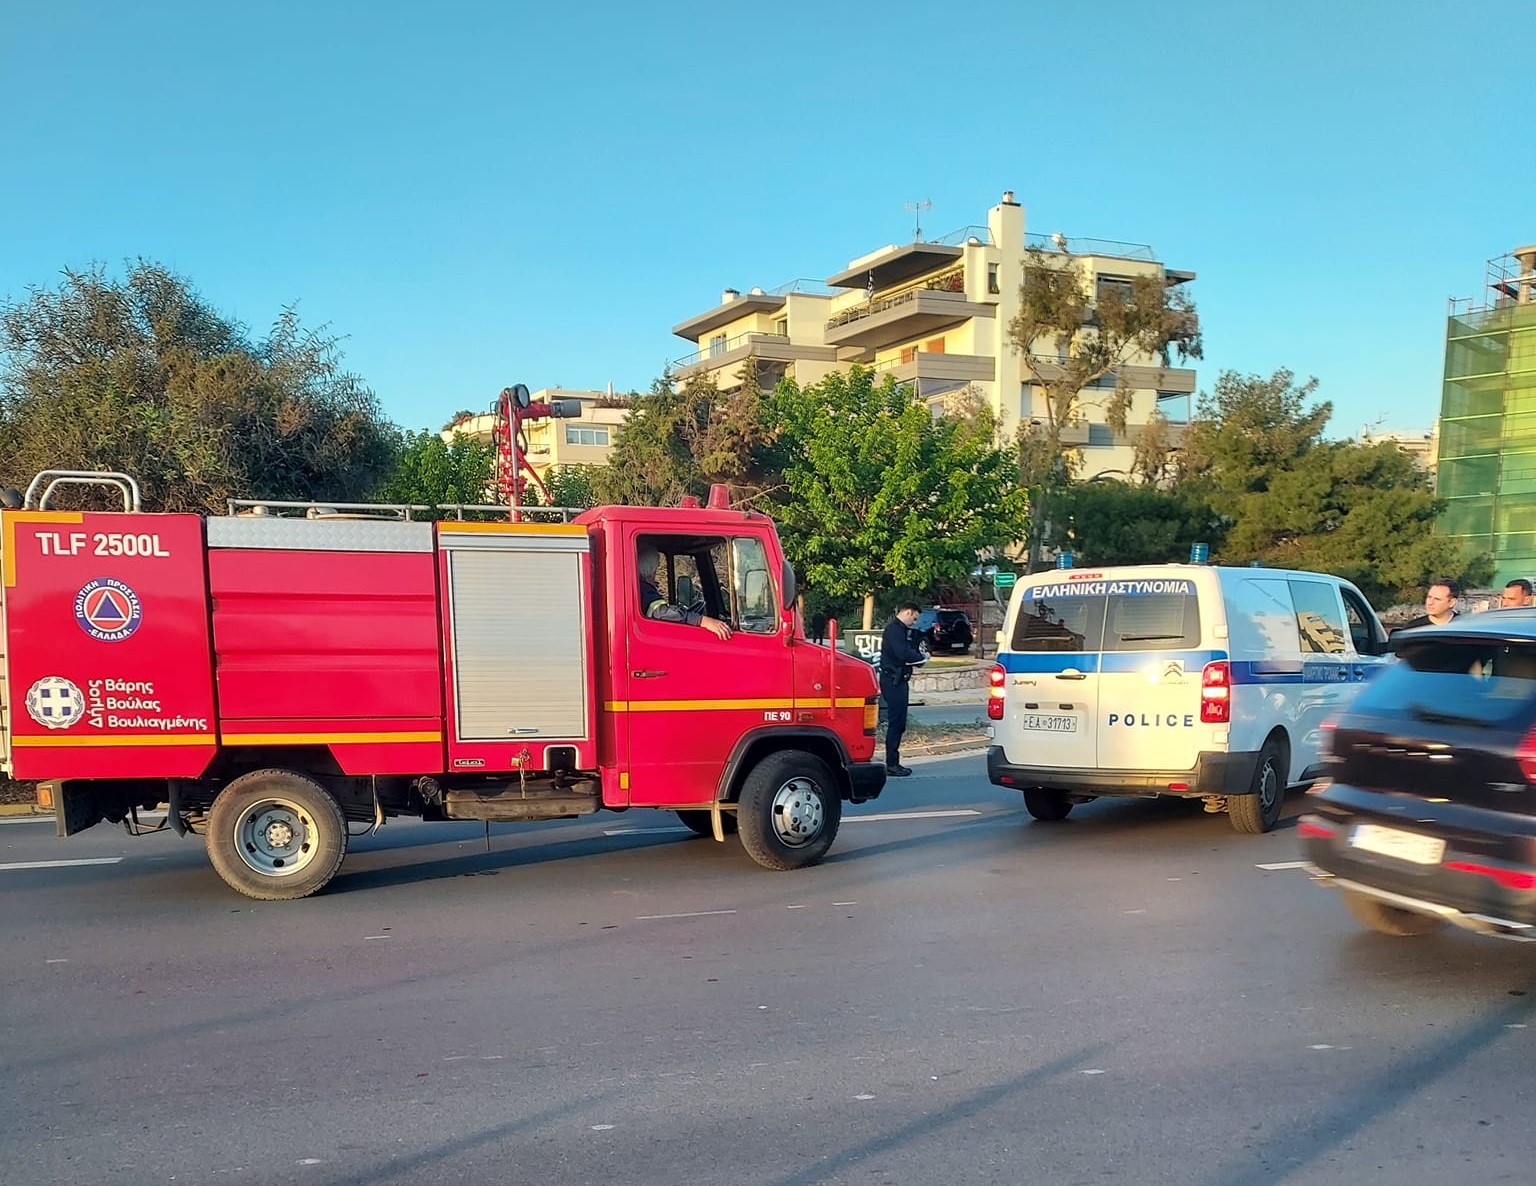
55	702
108	610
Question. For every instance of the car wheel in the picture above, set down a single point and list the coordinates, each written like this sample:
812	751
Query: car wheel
276	835
1048	806
790	810
1389	920
1259	811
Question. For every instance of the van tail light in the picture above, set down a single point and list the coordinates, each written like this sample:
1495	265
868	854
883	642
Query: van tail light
1216	693
995	680
1525	754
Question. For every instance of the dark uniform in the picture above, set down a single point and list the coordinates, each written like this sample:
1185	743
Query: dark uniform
656	607
1424	620
898	655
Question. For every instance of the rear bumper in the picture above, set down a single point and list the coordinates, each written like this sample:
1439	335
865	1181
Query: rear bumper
1213	774
865	781
1520	929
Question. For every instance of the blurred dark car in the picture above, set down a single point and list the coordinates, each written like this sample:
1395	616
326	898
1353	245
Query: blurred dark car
945	629
1428	815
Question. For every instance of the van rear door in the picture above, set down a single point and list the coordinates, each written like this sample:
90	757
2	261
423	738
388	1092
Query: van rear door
1150	676
1051	667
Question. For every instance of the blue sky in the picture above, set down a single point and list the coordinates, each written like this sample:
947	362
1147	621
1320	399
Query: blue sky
476	194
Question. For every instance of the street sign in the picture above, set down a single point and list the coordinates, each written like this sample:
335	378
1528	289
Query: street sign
1003	580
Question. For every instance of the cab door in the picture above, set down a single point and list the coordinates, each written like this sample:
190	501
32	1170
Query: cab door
1326	668
686	696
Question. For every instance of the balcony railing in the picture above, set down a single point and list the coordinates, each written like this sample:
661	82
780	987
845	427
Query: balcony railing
814	287
720	349
1110	247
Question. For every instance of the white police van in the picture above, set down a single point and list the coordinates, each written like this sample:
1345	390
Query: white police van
1174	679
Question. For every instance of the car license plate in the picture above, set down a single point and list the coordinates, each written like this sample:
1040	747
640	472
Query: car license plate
1048	722
1405	846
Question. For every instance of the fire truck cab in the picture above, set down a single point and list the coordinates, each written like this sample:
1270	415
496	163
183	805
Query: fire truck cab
276	679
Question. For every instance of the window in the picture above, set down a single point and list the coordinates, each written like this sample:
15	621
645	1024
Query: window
575	435
992	278
1113	288
1109	622
1317	618
1100	435
781	327
752	587
717	345
1059	624
1364	629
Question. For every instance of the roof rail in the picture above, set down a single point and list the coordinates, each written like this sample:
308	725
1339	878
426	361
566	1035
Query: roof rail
80	477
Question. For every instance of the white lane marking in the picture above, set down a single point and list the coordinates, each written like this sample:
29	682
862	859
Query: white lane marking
1514	1025
601	1127
61	864
310	1161
688	914
1320	1046
646	831
1094	1071
1279	865
890	815
845	903
863	1095
66	961
377	936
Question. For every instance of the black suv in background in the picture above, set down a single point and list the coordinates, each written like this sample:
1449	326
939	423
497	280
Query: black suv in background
946	629
1428	815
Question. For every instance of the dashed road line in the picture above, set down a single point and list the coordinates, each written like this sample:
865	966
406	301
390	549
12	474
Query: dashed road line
1277	866
60	864
686	914
894	815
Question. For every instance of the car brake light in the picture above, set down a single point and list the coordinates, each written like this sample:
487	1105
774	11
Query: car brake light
1525	754
1513	879
1315	829
995	681
1216	693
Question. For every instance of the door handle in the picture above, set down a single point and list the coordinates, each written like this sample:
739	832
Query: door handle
1071	673
647	674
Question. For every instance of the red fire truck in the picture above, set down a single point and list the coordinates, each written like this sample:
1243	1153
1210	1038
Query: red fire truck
275	680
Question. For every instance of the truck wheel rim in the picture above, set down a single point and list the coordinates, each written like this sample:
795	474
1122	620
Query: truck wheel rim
1269	787
798	814
275	838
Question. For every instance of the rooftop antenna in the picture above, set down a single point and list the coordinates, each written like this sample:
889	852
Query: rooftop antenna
917	208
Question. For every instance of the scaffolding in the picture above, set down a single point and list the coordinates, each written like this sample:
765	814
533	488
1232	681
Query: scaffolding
1487	466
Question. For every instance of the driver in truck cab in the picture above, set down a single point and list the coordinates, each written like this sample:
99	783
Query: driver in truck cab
656	607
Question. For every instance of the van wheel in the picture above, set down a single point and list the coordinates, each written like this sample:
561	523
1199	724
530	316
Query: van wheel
698	821
1047	805
1260	810
275	835
789	812
1389	920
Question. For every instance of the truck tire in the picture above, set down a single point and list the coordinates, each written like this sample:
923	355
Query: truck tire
275	835
789	811
1047	806
1260	811
1389	920
698	821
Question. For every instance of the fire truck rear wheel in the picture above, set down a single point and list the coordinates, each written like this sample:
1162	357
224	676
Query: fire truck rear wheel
699	821
789	812
276	835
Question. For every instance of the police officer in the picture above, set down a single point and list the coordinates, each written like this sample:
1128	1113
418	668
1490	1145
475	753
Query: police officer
898	656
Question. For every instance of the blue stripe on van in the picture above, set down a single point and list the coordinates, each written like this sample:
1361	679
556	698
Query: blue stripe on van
1027	662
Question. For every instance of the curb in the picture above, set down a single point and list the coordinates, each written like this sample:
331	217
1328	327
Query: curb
965	745
23	809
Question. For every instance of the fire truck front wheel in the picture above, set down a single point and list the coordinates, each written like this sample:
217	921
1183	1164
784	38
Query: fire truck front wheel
789	812
276	835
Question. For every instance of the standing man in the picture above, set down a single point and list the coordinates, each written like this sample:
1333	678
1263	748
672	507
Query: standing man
1516	595
898	656
1439	605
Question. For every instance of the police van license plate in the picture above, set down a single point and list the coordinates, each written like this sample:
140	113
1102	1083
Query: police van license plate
1405	846
1048	722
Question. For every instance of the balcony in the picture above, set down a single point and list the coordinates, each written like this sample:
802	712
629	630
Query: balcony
940	368
765	347
901	318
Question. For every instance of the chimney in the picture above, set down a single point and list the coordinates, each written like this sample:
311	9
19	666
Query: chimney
729	295
1008	198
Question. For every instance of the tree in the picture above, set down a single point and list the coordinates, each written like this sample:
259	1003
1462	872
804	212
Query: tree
430	471
1294	500
1111	522
142	375
1070	338
880	494
681	440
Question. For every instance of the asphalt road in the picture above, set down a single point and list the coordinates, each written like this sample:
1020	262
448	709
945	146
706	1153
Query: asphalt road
1129	996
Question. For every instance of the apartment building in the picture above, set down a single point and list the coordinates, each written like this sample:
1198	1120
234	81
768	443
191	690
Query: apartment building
583	440
1487	472
935	314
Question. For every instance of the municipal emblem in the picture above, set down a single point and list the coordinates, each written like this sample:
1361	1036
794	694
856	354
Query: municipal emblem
108	610
55	702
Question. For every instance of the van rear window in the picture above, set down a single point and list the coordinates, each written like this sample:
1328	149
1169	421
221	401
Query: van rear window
1108	622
